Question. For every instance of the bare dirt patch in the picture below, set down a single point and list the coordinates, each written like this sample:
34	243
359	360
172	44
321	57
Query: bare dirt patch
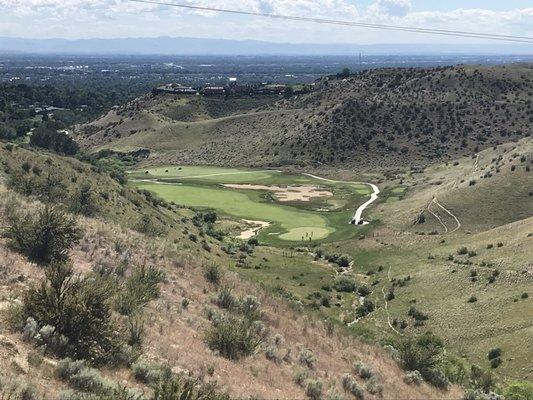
256	226
288	193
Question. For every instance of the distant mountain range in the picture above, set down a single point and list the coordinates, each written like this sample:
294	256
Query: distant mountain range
198	46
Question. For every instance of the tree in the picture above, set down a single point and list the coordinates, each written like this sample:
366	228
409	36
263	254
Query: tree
345	73
47	137
7	132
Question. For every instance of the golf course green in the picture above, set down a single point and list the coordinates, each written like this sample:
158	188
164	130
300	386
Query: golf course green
201	187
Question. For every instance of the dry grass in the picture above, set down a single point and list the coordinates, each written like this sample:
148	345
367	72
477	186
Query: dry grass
174	334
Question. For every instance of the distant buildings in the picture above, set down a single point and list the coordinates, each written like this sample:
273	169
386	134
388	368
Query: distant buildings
214	91
176	88
232	88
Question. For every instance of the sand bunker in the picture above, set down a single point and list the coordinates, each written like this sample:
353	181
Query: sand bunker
251	232
288	193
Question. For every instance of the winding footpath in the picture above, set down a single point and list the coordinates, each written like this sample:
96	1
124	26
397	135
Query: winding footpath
357	219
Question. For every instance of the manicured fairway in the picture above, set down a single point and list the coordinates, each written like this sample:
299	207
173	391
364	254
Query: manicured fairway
209	174
295	222
201	186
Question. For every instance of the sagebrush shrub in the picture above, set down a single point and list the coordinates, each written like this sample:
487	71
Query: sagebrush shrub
212	273
78	308
307	358
364	371
233	338
146	372
413	378
44	237
140	288
173	387
313	389
350	385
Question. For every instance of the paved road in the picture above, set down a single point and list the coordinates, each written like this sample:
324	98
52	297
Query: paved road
358	217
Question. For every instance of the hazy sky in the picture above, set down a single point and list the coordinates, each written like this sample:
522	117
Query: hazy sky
120	18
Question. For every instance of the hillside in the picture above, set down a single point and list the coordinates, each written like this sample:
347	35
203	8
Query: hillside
157	283
376	118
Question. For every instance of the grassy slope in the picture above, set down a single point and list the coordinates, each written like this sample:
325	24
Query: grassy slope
174	333
496	209
379	118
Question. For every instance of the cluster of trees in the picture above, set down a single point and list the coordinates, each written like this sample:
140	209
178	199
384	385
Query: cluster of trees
47	137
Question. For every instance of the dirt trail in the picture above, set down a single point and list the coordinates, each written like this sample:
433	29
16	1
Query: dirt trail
357	219
449	213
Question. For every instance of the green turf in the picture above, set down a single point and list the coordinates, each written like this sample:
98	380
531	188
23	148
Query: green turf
199	186
209	174
243	205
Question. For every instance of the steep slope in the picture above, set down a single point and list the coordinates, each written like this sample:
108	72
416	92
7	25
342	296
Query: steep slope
376	118
299	354
489	189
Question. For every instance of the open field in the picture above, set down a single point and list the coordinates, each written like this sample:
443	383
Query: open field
199	186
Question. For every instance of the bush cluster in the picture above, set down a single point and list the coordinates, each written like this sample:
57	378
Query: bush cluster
45	237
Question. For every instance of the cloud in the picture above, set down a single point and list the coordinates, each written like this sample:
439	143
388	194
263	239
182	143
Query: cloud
390	8
119	18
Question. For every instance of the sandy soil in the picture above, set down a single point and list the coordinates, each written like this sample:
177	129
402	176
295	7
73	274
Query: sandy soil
251	232
288	193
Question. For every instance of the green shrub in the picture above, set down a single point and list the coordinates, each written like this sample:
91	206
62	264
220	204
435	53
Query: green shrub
140	288
212	273
78	308
48	138
313	389
343	261
44	237
364	371
307	358
225	299
416	314
481	379
462	250
364	290
518	391
350	385
148	226
250	307
364	309
494	353
174	387
146	372
495	362
84	201
233	338
423	354
345	283
135	330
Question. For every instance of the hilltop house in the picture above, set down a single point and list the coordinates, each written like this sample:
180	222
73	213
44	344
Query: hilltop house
214	90
175	88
